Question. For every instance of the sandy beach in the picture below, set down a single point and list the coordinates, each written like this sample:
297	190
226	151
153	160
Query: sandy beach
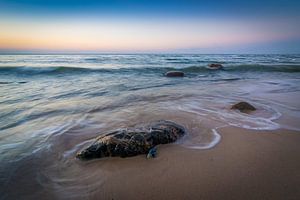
244	165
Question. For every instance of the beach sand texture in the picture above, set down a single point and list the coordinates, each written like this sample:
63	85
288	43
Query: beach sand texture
245	165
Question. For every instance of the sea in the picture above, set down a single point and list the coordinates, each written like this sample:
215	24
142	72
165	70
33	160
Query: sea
52	106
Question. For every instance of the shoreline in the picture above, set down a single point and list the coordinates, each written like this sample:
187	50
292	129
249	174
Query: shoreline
246	164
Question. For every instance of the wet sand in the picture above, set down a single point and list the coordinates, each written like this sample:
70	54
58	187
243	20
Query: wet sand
246	164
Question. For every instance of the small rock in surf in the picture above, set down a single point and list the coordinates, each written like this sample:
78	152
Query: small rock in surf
174	74
243	107
215	66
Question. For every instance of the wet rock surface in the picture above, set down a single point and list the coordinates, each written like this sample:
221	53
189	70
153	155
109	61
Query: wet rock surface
133	141
174	74
215	66
243	107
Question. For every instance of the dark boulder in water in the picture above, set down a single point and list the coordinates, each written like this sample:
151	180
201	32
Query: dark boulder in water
215	66
174	74
134	141
243	107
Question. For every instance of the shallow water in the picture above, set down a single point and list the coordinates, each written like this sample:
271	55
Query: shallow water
53	105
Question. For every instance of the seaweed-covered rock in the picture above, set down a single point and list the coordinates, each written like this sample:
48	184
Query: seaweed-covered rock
243	107
174	74
134	141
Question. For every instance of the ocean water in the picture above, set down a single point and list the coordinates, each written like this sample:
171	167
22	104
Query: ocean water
51	106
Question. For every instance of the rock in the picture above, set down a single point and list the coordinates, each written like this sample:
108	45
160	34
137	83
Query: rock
174	74
133	141
152	153
243	107
215	66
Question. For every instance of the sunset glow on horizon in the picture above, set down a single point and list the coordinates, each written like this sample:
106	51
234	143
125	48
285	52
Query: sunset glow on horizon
139	32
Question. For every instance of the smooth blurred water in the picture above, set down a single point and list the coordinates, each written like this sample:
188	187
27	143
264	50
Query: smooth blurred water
52	105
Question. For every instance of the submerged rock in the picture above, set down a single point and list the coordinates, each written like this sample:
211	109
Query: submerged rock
215	66
174	74
243	107
132	142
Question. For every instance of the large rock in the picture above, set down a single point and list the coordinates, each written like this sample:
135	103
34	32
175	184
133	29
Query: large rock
215	66
243	107
133	141
174	74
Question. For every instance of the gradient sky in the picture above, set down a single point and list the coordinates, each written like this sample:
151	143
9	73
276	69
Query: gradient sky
150	26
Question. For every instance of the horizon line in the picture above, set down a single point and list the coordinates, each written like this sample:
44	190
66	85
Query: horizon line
142	53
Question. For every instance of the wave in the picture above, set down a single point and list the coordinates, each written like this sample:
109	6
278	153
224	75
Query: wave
189	69
97	60
264	68
10	82
49	70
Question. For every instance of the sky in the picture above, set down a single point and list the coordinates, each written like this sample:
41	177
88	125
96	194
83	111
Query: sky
150	26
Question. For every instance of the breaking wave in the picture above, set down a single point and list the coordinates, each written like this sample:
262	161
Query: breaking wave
189	69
